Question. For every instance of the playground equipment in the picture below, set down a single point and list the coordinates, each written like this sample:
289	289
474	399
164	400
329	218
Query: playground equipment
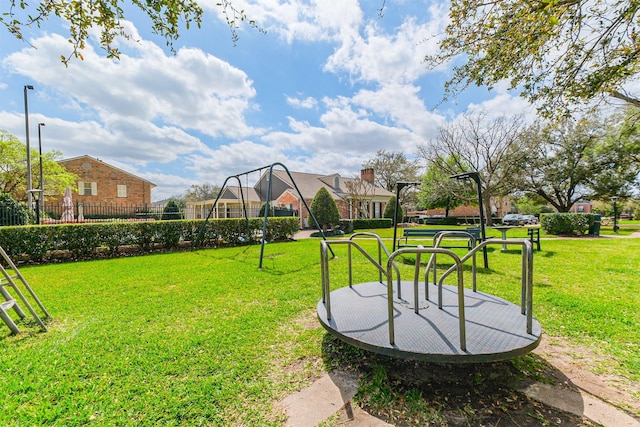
11	281
266	206
425	320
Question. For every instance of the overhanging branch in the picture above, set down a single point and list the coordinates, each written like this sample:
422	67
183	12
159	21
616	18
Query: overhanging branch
619	95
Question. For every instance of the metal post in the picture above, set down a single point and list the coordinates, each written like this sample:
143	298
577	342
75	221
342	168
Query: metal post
41	186
476	177
399	186
26	124
614	199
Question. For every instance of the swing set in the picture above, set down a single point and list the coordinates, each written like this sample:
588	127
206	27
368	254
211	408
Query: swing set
268	198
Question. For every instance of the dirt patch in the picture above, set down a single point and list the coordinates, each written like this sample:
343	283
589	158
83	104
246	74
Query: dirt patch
405	393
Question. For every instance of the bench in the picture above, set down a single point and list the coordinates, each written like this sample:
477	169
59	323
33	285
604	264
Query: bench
412	233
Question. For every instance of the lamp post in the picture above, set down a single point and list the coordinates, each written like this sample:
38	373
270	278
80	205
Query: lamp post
399	186
26	123
41	186
614	199
475	176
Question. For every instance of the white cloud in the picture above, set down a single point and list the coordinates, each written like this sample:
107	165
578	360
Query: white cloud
306	103
297	20
192	89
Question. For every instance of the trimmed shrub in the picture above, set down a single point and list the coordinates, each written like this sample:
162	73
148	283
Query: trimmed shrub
390	208
171	211
569	224
90	240
346	226
325	209
367	223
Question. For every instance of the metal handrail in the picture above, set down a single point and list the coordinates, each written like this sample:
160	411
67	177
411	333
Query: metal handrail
526	291
325	247
381	248
433	251
437	239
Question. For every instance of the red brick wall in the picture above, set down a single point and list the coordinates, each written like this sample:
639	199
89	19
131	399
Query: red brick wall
107	179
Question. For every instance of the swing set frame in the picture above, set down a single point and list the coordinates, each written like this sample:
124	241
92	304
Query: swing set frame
266	206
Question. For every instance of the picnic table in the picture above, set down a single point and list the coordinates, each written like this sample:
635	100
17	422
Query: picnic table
532	231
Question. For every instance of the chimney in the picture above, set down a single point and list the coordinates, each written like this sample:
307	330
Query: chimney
367	175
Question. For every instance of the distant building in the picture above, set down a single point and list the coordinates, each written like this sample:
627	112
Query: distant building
102	184
356	198
582	206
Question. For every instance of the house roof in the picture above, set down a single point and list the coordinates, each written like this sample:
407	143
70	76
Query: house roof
233	193
106	164
309	184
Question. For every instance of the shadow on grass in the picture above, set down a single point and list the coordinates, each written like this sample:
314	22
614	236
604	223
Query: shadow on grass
410	392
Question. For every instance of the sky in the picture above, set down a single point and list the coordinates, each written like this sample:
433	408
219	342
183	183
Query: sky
327	86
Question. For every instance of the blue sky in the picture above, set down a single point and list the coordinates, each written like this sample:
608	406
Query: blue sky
329	84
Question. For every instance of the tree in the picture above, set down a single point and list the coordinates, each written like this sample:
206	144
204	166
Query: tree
171	211
199	192
359	193
13	169
574	160
530	204
438	190
272	211
627	135
558	52
390	209
390	167
477	143
108	18
324	209
11	212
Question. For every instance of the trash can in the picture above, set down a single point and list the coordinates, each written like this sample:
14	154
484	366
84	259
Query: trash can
594	230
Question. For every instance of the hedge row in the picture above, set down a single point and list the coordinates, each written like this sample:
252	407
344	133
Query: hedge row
569	224
349	225
39	244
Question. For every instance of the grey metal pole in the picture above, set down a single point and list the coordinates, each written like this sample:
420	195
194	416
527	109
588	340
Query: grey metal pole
26	124
41	174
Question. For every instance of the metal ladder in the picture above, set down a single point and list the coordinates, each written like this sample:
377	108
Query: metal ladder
9	281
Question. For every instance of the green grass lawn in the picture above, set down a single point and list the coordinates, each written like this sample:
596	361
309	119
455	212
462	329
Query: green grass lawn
206	338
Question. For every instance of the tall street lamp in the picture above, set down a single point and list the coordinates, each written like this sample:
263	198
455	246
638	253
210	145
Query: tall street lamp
475	176
41	175
26	123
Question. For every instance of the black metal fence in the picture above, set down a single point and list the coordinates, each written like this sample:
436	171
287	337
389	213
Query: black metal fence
105	212
86	212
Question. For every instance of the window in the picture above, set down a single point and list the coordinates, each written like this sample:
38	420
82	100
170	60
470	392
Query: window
122	190
88	188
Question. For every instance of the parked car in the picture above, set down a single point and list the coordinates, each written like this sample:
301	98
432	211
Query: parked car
512	219
530	219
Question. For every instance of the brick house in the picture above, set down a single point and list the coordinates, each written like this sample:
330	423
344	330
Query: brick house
103	184
355	198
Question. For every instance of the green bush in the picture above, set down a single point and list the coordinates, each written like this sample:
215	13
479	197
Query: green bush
92	240
570	224
346	225
324	209
12	212
171	211
372	223
445	220
350	225
390	208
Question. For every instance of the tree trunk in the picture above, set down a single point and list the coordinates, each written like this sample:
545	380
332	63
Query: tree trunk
486	203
